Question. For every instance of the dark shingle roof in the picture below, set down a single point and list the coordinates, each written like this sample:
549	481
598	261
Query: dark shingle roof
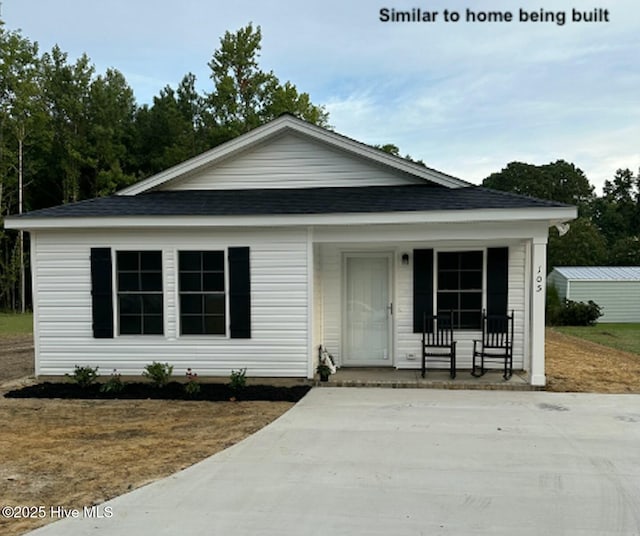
335	200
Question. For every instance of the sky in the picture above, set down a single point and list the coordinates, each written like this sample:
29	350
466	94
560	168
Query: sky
467	97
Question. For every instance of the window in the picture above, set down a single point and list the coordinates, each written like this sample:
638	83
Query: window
140	306
202	292
460	287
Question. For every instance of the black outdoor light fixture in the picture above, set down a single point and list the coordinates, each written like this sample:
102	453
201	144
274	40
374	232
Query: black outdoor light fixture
405	259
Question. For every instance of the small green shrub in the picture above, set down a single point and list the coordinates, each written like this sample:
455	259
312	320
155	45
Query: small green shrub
84	376
114	384
579	313
238	379
192	387
158	373
570	313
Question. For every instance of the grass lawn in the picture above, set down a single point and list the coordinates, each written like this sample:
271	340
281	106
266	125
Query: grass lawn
624	337
12	324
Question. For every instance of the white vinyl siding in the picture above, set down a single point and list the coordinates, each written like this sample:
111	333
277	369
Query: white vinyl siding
407	343
279	339
291	161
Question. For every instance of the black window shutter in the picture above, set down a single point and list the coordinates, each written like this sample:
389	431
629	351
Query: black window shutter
497	280
239	293
101	293
422	286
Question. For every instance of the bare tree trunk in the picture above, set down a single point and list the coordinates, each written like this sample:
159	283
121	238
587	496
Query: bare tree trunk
21	233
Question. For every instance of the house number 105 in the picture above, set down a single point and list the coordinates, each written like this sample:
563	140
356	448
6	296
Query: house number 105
539	280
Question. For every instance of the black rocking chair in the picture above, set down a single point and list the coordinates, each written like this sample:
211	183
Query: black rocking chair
496	344
437	341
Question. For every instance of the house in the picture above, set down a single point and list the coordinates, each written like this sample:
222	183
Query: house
616	289
286	238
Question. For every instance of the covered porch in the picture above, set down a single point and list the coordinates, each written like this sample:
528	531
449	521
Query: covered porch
366	299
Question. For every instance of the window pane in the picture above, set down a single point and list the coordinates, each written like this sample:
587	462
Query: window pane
213	281
190	261
213	261
471	260
456	320
447	261
447	301
470	320
153	325
151	281
214	325
151	260
214	304
152	304
191	325
130	325
128	282
191	303
471	300
128	260
471	280
190	282
448	281
130	304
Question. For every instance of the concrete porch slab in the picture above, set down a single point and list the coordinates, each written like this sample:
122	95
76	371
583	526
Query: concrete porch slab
434	379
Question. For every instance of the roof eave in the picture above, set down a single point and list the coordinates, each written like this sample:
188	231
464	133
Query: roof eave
549	215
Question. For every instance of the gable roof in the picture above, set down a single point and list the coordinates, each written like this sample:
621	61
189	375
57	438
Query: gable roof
295	201
599	273
289	124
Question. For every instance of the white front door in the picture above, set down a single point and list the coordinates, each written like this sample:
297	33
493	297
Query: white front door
366	339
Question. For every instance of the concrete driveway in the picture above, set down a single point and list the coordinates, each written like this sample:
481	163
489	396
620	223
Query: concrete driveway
405	462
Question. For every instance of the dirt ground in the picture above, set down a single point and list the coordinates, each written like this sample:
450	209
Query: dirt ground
79	453
16	357
577	365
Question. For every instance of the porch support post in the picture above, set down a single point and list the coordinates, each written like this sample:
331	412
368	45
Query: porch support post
311	340
538	292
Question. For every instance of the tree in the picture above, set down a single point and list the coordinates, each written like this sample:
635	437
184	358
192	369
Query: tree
66	89
626	252
244	96
583	245
164	134
20	110
617	212
395	151
557	181
110	112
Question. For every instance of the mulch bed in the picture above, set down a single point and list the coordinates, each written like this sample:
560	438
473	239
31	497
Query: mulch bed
214	392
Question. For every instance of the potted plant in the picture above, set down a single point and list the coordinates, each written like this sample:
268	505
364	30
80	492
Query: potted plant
324	371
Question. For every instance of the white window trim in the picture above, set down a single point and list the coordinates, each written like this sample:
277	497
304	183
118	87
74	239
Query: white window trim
227	319
115	301
436	251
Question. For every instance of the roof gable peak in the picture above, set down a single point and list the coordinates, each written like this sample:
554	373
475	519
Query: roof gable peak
282	125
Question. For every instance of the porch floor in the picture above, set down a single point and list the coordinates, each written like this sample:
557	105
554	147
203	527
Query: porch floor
434	379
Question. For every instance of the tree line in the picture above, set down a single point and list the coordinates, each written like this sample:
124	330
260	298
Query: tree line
68	133
607	230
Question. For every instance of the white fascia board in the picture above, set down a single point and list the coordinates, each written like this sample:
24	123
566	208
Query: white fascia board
443	216
207	158
279	126
381	157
